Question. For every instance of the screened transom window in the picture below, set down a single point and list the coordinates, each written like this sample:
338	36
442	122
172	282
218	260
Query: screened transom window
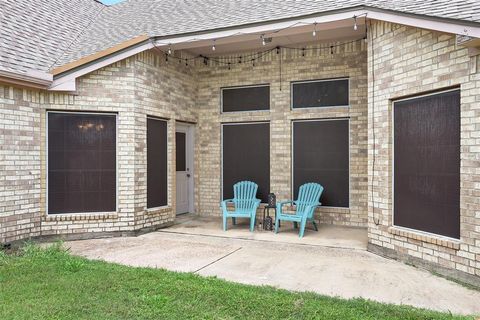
249	98
320	93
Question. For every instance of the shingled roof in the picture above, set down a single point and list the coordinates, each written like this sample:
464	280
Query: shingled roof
43	34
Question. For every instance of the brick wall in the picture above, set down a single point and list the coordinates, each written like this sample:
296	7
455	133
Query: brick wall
132	88
408	61
20	168
348	60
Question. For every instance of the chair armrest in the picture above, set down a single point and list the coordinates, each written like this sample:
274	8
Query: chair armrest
223	204
282	203
311	208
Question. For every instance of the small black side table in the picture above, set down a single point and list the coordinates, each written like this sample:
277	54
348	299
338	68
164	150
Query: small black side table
266	210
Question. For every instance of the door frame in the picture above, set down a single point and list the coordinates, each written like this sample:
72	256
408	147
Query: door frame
189	130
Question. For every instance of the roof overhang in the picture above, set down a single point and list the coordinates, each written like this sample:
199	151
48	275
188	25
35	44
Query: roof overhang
29	78
65	76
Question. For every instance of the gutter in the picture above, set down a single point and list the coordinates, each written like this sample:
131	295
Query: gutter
30	78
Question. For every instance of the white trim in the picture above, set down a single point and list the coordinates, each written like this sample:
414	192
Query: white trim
430	23
425	233
31	78
116	163
292	83
221	147
393	162
82	70
292	186
189	130
245	86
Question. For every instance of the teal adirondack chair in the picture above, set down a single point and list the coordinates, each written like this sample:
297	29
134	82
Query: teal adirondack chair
308	200
244	193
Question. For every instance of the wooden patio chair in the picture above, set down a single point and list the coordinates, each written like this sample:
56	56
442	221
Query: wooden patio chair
244	201
308	200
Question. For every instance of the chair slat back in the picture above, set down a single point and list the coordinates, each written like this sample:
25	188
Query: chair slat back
245	193
308	195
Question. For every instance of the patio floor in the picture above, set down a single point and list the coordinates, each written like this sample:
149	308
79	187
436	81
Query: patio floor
285	261
327	235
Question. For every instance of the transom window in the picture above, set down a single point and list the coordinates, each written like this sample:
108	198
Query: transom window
246	98
320	93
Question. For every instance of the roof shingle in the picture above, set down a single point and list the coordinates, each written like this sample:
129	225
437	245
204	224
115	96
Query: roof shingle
45	33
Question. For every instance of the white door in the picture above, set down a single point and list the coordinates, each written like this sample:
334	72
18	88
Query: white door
183	170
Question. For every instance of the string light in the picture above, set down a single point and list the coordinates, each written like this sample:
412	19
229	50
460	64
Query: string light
253	57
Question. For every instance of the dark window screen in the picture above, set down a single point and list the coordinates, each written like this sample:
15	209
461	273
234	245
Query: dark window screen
180	138
325	93
320	154
156	163
246	156
81	163
245	99
427	164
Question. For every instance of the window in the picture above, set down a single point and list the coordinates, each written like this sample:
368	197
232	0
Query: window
427	163
249	98
246	156
81	162
321	154
157	184
320	93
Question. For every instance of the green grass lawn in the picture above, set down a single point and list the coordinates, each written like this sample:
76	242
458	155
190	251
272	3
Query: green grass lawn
51	284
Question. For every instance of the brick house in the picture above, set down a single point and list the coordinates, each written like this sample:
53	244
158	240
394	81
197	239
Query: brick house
95	101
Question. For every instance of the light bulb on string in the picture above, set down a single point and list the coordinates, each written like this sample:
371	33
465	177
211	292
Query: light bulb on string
263	39
169	50
213	46
355	27
314	33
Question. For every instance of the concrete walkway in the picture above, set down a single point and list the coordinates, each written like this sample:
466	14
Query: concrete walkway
346	273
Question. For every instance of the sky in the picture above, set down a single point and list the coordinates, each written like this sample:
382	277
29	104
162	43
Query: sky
111	1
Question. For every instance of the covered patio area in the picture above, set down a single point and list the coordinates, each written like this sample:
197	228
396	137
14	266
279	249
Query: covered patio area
327	235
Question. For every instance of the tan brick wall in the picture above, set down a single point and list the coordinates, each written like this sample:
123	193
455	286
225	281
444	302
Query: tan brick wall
132	88
348	61
408	61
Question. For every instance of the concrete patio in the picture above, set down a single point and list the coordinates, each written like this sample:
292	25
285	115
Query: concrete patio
332	262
